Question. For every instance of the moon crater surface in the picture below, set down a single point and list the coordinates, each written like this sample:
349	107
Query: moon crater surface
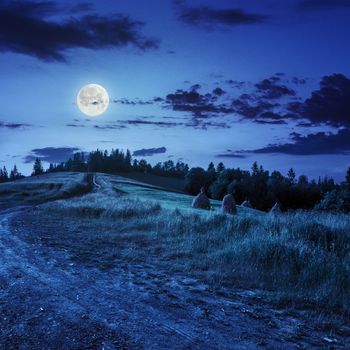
93	100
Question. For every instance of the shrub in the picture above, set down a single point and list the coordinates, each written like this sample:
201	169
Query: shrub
336	201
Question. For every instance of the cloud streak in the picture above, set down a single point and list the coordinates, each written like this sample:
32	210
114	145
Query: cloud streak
30	31
271	89
137	102
51	154
149	122
312	144
198	104
13	125
211	18
147	152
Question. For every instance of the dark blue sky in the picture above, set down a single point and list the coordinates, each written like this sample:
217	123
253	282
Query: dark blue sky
231	81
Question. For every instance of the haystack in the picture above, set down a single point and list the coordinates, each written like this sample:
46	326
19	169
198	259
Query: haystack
276	209
201	201
246	204
229	204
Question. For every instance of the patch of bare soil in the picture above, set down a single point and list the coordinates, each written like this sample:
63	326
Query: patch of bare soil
49	299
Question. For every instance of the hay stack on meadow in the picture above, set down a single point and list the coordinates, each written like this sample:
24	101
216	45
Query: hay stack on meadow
229	204
201	201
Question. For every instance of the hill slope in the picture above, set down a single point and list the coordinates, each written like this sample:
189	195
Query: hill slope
166	197
39	189
129	265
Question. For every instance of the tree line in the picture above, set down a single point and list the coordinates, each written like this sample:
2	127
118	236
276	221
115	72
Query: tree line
14	174
118	161
262	188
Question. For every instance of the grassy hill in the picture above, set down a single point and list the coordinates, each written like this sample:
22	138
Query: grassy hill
169	183
165	196
299	257
39	189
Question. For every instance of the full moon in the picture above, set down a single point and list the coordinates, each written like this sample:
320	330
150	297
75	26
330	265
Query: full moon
93	100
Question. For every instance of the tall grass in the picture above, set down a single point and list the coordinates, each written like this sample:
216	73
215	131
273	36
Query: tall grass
303	256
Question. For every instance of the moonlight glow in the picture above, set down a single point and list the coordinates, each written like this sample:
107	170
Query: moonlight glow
93	100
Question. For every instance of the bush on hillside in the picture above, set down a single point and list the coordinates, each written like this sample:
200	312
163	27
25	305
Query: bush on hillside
337	201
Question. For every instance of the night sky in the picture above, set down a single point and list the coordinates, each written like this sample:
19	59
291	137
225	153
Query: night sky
199	81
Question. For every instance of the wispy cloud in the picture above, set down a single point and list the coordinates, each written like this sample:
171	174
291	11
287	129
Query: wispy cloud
51	154
200	105
13	125
72	125
110	127
212	18
272	89
147	152
136	102
230	154
312	144
149	122
30	30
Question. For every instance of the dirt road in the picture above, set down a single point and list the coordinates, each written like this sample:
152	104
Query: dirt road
49	302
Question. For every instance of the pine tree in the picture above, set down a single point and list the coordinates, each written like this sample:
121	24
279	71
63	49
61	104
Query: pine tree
303	180
276	175
220	167
291	175
135	165
211	167
2	178
51	168
14	174
5	174
128	159
255	169
78	162
37	167
143	166
347	179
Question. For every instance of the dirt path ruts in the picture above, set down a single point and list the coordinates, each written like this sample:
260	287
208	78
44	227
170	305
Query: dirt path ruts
47	302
